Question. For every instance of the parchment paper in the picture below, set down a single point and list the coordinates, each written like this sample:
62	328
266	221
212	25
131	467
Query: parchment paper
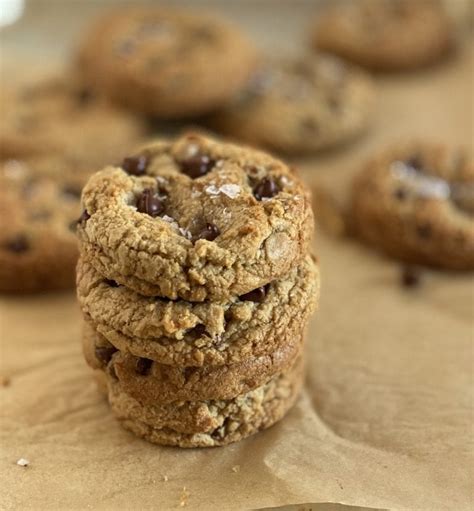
385	420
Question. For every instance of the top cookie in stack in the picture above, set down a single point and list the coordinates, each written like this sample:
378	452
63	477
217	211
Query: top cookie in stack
147	224
196	284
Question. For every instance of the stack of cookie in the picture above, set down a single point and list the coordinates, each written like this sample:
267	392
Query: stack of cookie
196	284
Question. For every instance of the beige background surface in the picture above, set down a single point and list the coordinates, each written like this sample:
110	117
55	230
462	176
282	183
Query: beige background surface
386	417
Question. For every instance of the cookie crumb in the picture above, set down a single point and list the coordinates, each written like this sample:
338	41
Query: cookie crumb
236	468
410	276
22	462
184	498
5	381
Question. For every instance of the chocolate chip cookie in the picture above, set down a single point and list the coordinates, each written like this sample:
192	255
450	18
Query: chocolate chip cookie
385	35
208	423
164	62
300	106
196	219
151	382
416	203
38	214
260	323
58	116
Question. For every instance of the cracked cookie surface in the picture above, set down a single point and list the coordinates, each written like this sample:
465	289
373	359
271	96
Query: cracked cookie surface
196	219
151	382
194	334
208	423
415	202
385	35
165	62
300	106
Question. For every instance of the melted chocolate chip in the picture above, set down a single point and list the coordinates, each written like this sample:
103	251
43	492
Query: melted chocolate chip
18	244
309	125
256	295
83	218
104	354
197	166
414	162
199	330
111	283
143	366
85	96
136	165
410	276
424	231
209	233
266	189
400	194
150	203
204	33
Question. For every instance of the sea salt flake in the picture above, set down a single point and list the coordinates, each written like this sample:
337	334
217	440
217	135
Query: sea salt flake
23	462
230	190
212	190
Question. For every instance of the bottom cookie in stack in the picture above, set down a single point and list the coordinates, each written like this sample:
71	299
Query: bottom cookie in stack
140	393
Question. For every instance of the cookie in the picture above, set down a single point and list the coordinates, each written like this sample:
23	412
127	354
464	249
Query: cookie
259	323
208	423
151	382
385	35
416	203
58	116
38	247
196	219
300	106
164	62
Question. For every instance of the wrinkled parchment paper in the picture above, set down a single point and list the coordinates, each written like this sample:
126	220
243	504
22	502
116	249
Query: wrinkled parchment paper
385	420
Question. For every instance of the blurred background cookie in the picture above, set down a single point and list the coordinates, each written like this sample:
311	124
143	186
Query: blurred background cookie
300	105
38	247
165	63
58	116
416	203
385	35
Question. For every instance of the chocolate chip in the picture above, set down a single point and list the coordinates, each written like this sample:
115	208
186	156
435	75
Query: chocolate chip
204	33
111	283
104	353
400	194
414	162
266	189
72	191
84	217
143	366
18	244
410	276
256	295
84	96
309	125
150	203
424	231
199	330
136	165
209	233
197	166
